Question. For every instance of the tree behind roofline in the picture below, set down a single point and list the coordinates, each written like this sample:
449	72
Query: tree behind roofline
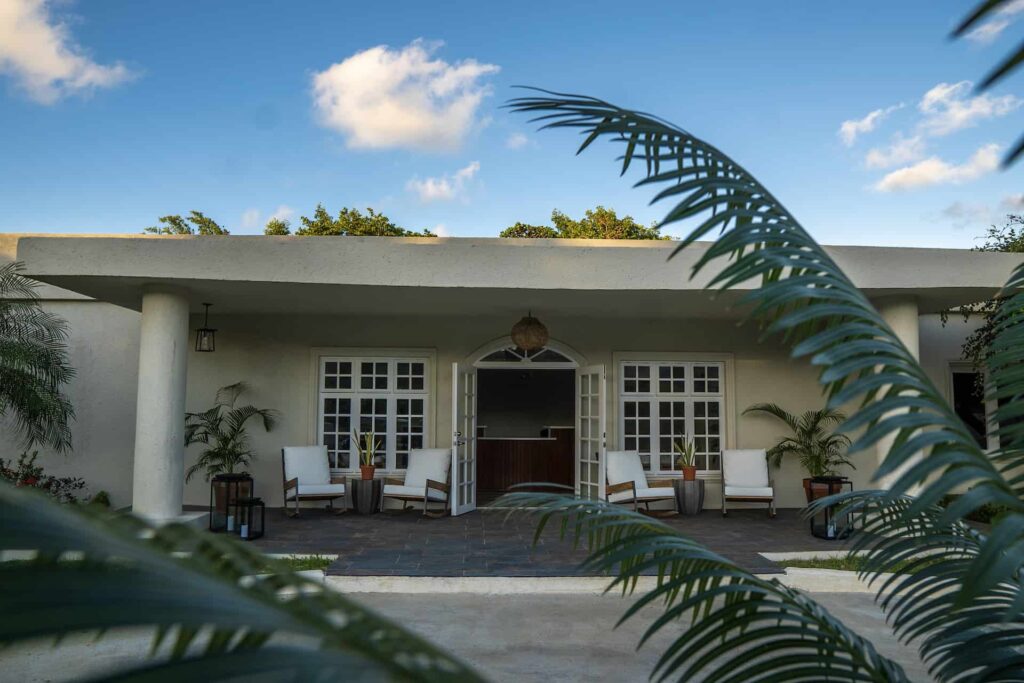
349	222
977	346
598	223
174	224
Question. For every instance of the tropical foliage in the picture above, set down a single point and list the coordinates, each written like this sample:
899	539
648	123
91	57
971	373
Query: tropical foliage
599	223
34	365
1007	238
993	11
964	611
351	222
196	223
820	450
212	618
223	429
277	226
27	472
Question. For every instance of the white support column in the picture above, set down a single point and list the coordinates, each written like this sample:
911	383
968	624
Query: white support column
902	315
158	480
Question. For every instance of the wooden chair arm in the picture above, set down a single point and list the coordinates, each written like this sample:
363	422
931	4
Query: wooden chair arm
658	483
393	481
617	488
339	479
291	484
431	484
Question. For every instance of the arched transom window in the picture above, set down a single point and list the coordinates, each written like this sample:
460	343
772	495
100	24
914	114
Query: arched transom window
513	355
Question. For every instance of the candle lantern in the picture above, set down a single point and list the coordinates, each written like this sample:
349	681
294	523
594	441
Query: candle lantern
225	491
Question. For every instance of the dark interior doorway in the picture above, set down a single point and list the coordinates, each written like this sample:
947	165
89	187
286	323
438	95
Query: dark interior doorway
525	428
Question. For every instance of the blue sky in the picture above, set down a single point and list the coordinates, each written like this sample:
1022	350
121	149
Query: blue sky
114	112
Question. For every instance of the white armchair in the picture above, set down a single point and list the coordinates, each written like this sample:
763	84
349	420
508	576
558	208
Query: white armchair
307	476
745	478
425	481
626	482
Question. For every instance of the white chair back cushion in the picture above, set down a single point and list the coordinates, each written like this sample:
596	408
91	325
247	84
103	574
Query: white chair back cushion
427	463
746	467
308	464
625	466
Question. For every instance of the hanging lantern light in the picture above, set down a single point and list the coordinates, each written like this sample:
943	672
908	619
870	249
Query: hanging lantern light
205	335
529	334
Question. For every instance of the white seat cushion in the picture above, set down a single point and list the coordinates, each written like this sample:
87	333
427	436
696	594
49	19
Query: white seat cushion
427	463
414	491
308	464
746	468
625	466
749	492
643	494
317	490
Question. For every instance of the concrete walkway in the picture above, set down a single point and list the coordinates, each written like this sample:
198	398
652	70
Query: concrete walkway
522	638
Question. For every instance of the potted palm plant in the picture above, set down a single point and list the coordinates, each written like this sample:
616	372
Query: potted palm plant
367	445
820	449
223	429
686	461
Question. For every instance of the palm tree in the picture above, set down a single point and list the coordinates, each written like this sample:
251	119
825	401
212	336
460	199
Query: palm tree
223	425
34	364
821	452
959	597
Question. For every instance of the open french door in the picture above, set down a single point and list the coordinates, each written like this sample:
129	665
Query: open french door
463	491
590	432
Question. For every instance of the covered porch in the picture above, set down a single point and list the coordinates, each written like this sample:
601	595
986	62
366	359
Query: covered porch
307	322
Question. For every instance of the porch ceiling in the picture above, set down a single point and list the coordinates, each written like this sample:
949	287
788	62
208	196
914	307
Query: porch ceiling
462	276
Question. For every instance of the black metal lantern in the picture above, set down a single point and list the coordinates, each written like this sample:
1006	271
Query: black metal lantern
205	334
225	492
829	523
251	517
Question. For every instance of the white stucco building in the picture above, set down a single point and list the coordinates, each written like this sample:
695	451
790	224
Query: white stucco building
408	336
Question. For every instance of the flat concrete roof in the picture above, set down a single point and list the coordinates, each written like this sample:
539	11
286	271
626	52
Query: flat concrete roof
431	275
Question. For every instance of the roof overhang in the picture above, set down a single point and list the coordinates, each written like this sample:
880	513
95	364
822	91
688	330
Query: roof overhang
388	275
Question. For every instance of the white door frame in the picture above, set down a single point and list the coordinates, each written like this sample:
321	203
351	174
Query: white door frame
591	431
463	473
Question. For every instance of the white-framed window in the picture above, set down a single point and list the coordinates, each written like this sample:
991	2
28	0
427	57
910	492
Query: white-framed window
666	402
389	396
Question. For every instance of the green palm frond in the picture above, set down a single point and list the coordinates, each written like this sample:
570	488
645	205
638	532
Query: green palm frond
926	558
34	365
806	297
213	619
735	625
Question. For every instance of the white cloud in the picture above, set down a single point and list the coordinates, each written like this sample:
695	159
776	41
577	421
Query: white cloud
516	140
964	214
401	98
948	107
443	188
441	230
282	212
1012	203
250	218
989	31
935	171
900	151
849	130
38	51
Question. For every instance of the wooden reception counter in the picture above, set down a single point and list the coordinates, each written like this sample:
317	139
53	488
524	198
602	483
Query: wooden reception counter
505	462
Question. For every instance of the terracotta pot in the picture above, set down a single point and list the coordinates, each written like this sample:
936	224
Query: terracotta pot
689	473
366	472
817	487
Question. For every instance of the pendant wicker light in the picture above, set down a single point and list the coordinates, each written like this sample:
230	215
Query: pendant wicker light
529	334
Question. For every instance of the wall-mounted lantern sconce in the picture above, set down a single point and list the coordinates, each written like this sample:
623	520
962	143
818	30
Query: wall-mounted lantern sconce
205	334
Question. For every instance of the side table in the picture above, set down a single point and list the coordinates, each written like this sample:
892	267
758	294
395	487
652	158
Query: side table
689	496
364	494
